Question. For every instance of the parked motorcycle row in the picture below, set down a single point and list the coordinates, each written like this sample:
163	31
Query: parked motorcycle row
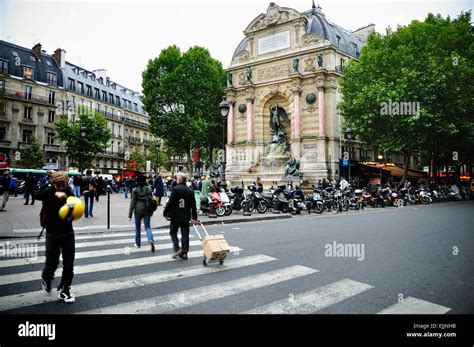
289	199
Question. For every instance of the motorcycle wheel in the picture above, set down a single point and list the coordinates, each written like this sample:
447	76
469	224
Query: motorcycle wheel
220	211
228	210
318	207
261	208
425	200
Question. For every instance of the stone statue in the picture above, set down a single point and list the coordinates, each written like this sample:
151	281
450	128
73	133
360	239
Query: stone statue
248	73
320	60
229	79
296	62
276	114
292	168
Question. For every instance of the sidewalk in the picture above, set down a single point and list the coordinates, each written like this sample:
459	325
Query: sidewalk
19	220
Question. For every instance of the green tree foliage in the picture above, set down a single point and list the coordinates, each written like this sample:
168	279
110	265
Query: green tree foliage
157	157
32	157
84	149
138	157
181	93
427	62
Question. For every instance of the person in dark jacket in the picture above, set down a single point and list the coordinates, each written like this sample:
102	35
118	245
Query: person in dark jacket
159	191
5	182
180	208
30	187
89	188
59	236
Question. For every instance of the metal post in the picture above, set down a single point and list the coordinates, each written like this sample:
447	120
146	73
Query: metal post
108	209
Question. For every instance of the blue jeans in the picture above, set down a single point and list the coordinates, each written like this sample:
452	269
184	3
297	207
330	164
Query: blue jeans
77	191
126	192
89	202
138	221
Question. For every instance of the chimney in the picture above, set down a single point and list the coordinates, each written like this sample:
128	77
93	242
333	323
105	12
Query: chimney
60	57
37	50
100	73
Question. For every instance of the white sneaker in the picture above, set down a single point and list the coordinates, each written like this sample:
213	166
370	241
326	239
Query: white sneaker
66	296
135	245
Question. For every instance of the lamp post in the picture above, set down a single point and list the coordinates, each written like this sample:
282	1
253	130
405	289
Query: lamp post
380	158
349	139
83	130
224	106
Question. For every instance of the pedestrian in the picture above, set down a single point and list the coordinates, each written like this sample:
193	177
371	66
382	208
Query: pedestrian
180	208
30	187
138	207
59	236
344	183
259	185
100	188
77	180
13	186
89	188
206	186
5	182
158	185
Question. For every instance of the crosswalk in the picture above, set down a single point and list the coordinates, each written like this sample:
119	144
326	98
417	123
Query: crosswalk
114	269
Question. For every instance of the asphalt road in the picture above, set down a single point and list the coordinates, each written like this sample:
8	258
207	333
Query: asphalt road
406	260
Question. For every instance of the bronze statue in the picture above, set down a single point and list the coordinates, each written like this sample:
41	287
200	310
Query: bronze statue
296	62
292	168
276	115
320	60
229	79
248	73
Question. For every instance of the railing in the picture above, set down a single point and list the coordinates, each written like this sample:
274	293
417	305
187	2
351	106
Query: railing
135	122
5	144
21	95
339	68
51	147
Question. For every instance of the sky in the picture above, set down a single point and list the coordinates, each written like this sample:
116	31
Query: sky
121	36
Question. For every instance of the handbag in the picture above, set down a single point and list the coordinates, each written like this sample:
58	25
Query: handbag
150	202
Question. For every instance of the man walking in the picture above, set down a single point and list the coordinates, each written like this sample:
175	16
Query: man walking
180	208
5	182
30	187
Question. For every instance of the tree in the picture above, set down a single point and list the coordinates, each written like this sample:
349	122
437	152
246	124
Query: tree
84	149
32	157
157	157
181	93
426	64
138	158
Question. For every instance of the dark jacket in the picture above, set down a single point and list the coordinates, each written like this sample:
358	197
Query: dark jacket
138	201
85	184
51	205
158	185
30	183
4	183
181	204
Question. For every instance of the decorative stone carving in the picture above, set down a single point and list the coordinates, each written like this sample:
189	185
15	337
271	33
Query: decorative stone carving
309	64
274	71
274	89
242	108
273	14
241	77
309	38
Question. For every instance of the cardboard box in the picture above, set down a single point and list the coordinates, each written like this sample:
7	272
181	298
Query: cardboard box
215	247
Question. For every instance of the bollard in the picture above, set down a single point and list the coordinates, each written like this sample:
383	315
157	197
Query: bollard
108	209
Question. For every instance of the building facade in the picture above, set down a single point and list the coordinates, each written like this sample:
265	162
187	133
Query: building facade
37	88
283	87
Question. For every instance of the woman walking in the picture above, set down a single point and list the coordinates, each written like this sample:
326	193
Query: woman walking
138	207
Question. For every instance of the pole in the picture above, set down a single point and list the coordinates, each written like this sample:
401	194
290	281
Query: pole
108	209
350	182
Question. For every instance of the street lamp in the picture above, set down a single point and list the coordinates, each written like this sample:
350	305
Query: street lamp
83	130
349	139
380	158
224	107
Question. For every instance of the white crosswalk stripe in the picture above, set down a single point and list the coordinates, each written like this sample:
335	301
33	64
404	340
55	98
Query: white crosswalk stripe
314	300
411	305
81	290
93	254
200	295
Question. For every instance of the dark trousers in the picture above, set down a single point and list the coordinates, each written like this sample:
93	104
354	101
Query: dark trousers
174	226
89	202
55	245
27	196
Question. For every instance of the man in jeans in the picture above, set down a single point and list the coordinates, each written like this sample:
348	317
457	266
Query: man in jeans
89	188
180	207
5	182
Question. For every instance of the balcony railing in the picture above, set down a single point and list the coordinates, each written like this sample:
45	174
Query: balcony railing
28	97
135	122
5	144
339	68
51	147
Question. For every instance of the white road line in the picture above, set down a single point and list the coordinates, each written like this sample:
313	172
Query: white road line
88	227
129	240
92	254
38	297
313	300
200	295
103	266
411	305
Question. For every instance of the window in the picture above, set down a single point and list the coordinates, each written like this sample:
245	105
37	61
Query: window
72	85
97	93
3	66
27	134
125	104
51	97
113	129
117	100
342	64
51	116
3	132
111	98
28	92
80	88
50	138
98	107
338	40
89	90
101	80
104	96
51	77
135	106
2	85
27	72
119	130
27	113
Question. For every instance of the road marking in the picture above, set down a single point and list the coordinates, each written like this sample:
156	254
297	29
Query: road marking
313	300
411	305
200	295
92	254
38	297
104	266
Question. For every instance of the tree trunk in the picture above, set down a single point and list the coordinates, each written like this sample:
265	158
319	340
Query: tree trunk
406	162
190	164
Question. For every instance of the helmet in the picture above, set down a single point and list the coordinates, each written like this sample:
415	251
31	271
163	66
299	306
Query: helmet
73	209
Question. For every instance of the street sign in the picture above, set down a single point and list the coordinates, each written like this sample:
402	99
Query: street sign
148	166
345	162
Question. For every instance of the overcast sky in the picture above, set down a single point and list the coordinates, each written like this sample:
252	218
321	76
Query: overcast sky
121	36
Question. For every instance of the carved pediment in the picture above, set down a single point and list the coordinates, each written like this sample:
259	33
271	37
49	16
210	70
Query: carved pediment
309	38
274	15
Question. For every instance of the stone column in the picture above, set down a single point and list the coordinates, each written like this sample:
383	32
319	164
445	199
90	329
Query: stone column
297	113
230	124
250	124
322	130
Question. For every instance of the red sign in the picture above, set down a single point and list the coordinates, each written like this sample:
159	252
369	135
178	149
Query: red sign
195	152
4	160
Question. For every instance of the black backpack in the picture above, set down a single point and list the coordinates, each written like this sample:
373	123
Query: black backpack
150	201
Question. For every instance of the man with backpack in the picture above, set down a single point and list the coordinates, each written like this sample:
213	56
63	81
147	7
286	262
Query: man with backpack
59	236
180	208
89	188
